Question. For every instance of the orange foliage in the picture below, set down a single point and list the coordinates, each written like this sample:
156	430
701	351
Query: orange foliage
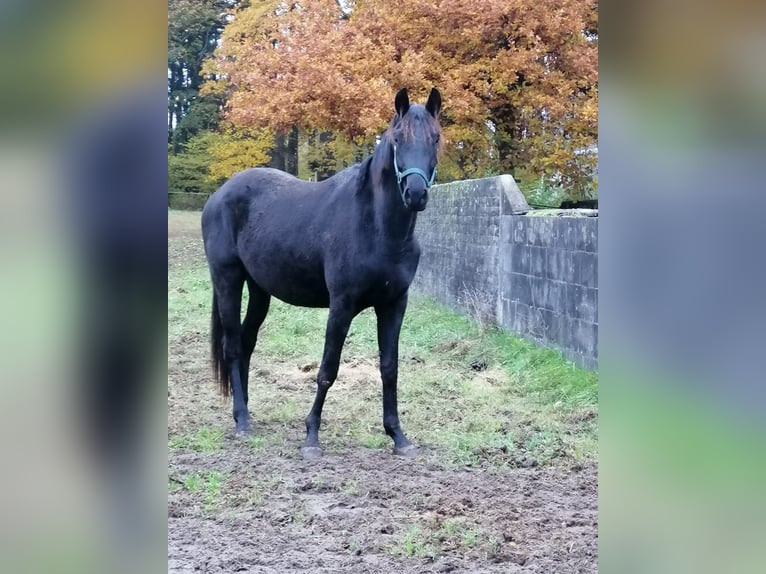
519	78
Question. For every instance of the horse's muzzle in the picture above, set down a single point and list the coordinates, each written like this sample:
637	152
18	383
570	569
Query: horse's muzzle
416	200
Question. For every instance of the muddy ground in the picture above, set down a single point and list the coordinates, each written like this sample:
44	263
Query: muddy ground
256	506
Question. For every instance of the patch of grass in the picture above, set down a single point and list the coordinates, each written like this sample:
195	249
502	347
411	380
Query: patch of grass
470	537
450	527
542	442
189	299
432	539
285	412
208	484
298	517
291	333
493	547
204	439
415	543
256	442
435	330
320	482
350	487
486	415
378	440
193	482
454	534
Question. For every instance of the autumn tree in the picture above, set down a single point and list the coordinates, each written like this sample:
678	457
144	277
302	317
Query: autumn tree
203	153
237	150
519	77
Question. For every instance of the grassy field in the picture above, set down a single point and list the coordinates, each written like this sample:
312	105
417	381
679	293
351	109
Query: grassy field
478	396
470	398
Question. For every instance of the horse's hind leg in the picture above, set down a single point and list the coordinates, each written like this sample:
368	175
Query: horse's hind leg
228	281
257	307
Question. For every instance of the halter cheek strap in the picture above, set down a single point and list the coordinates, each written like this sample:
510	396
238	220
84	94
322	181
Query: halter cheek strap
400	175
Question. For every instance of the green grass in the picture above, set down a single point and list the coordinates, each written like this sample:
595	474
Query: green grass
189	299
436	332
350	487
208	484
286	412
298	517
528	404
256	442
415	543
372	440
204	439
429	540
470	537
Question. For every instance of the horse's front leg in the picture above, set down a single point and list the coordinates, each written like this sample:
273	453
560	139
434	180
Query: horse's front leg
338	322
390	318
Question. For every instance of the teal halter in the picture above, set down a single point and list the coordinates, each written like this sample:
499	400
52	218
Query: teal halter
400	175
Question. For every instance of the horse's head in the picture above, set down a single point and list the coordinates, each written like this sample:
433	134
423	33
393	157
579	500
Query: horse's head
414	135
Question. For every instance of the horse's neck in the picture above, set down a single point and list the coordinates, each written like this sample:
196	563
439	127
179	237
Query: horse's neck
392	219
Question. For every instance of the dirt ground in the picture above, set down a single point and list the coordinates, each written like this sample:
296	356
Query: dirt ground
256	506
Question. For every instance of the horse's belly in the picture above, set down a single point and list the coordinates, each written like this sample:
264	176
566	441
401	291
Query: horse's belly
303	299
296	288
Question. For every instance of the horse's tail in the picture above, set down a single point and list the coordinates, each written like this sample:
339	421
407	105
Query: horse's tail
220	372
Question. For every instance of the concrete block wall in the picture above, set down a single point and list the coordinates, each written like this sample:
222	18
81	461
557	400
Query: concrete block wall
459	236
538	276
548	289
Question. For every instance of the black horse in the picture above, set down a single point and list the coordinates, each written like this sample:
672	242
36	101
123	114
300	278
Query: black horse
346	243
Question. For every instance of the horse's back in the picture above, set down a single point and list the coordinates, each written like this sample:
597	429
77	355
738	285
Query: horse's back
280	228
252	184
262	186
252	190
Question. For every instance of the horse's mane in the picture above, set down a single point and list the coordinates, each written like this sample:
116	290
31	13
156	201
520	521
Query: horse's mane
359	171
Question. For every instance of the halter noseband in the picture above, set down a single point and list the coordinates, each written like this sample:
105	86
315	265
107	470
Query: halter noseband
400	175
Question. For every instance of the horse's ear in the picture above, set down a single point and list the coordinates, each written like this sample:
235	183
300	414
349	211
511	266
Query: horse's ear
402	102
434	103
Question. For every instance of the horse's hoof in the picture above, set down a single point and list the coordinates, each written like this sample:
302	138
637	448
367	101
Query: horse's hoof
409	451
311	453
244	433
